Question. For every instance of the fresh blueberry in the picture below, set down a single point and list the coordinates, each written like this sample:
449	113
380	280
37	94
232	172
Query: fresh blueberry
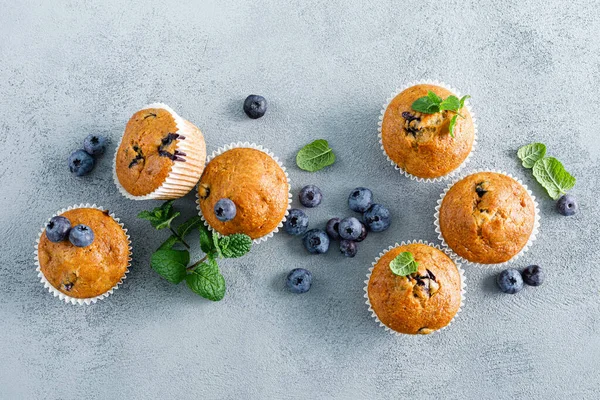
94	144
81	235
316	241
81	163
332	228
567	205
310	196
299	280
350	228
510	281
348	248
377	218
255	106
58	229
533	275
296	223
360	199
363	233
225	210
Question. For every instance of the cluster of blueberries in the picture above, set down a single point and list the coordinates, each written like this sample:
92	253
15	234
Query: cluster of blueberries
82	161
349	230
511	280
59	229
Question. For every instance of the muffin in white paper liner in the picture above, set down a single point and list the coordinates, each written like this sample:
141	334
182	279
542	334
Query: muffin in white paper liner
463	287
462	260
401	170
184	175
58	293
248	145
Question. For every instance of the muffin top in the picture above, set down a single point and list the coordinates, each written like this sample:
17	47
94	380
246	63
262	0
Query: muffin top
254	182
421	144
419	303
487	218
147	151
85	272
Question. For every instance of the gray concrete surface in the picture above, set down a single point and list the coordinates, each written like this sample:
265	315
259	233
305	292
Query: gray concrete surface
69	68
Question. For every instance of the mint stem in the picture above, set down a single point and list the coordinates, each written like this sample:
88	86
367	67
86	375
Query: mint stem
191	267
179	238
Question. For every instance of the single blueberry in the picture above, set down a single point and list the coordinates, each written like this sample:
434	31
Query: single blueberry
255	106
296	223
299	280
377	218
567	205
348	248
350	228
225	210
58	229
310	196
81	235
94	144
81	163
316	241
363	233
510	281
533	275
360	199
332	228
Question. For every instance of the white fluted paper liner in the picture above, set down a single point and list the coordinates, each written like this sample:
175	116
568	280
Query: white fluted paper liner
58	293
401	170
183	175
462	260
248	145
463	286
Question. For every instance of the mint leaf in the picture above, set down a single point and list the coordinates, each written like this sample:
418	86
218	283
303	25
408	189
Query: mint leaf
217	244
425	105
452	103
551	174
452	125
434	97
530	153
207	281
404	264
183	230
463	99
236	245
315	156
160	217
170	264
206	242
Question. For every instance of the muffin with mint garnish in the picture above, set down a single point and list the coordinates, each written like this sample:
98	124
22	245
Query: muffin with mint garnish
161	155
83	254
244	189
427	131
414	288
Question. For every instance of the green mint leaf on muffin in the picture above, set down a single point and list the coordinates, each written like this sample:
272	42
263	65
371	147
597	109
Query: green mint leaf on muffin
171	264
426	105
531	153
434	97
404	264
462	100
315	156
452	103
551	174
207	281
236	245
432	104
452	125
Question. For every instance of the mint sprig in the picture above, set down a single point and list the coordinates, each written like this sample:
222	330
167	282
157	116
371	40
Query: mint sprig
315	156
203	277
432	103
404	264
548	171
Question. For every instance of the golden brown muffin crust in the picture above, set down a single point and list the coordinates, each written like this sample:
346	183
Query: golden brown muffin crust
487	218
423	146
147	151
254	182
419	303
85	272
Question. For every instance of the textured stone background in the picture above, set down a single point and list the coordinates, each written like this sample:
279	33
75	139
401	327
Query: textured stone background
69	68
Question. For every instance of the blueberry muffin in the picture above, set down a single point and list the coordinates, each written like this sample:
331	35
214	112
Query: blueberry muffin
419	303
92	270
161	155
421	144
487	217
256	185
